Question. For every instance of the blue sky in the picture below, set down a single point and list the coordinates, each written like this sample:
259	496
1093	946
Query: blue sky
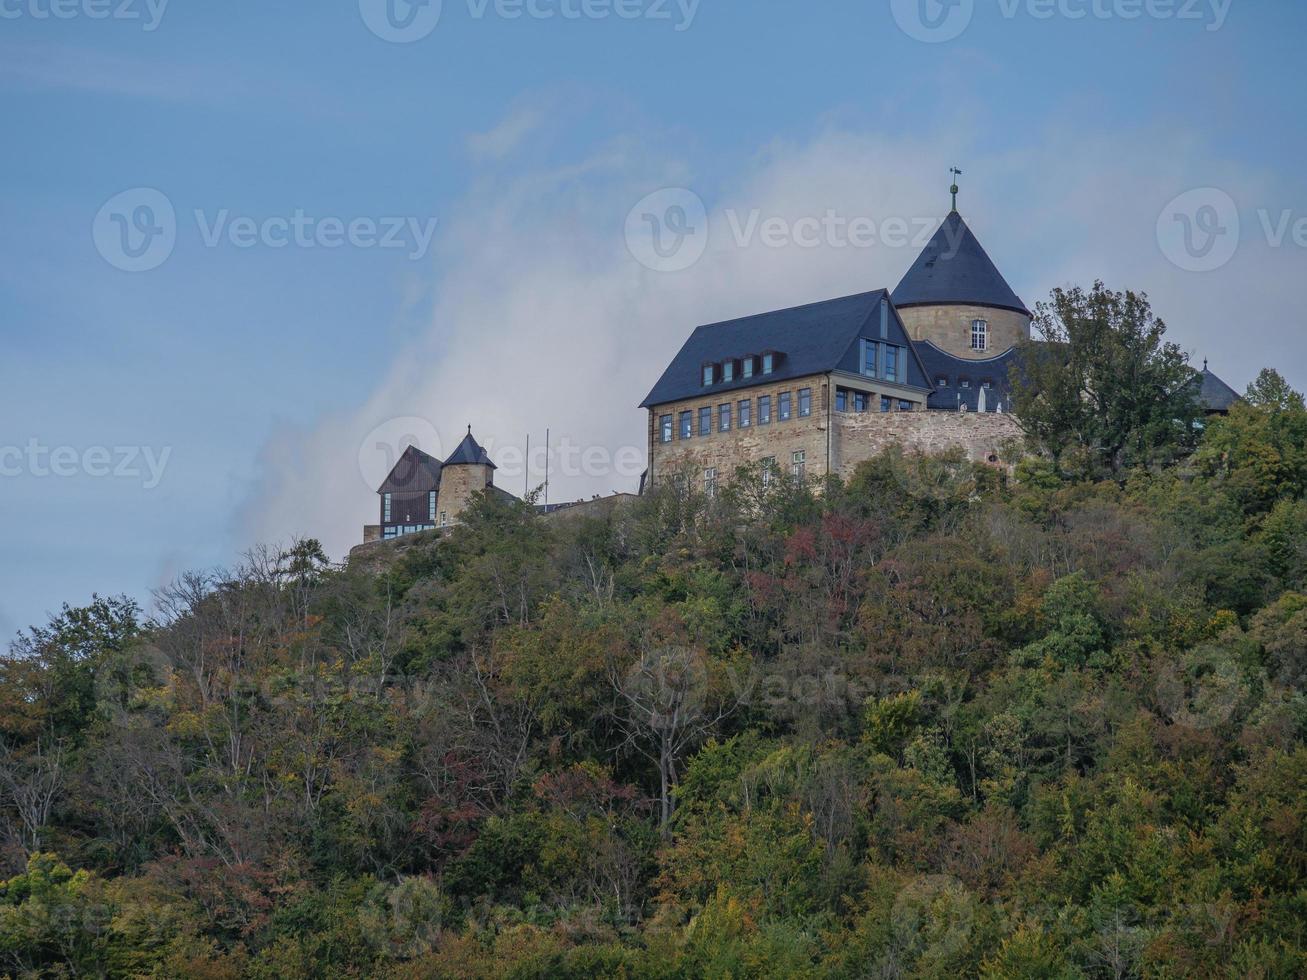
240	388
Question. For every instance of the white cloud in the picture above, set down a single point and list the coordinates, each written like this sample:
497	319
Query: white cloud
542	317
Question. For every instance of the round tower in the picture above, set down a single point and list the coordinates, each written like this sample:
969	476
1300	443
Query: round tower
467	472
955	297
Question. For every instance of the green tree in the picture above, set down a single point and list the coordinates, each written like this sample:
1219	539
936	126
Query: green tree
1105	391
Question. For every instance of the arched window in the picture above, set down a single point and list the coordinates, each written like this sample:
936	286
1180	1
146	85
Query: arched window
980	335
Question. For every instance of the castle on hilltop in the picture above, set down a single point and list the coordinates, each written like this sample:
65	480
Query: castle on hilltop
816	390
807	392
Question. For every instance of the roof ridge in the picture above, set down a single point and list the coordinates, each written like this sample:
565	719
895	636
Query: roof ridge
792	309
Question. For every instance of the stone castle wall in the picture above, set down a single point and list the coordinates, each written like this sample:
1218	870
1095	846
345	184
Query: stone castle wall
986	438
949	328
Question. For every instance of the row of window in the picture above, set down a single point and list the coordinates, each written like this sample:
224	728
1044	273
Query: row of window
861	401
403	530
942	382
730	415
798	470
725	372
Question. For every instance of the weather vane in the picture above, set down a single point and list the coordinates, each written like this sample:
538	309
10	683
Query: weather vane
954	189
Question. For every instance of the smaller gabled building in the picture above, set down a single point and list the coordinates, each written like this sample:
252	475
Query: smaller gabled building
421	493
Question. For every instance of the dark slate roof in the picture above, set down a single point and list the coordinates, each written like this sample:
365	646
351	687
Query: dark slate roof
953	396
812	339
416	472
469	453
955	269
1214	394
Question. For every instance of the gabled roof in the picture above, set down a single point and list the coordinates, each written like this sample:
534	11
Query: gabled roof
812	339
1214	394
955	270
953	396
415	472
469	453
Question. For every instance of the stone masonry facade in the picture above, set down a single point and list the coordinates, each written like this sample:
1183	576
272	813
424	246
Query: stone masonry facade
830	441
949	328
726	451
457	486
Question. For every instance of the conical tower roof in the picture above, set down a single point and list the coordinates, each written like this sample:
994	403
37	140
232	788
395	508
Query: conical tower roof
955	270
470	453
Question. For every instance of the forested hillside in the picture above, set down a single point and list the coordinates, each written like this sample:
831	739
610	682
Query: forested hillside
938	721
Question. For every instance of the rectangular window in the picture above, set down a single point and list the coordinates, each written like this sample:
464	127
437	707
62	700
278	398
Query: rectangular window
905	406
868	359
665	428
390	532
860	401
431	506
891	363
705	420
724	417
768	470
805	402
444	518
841	400
385	508
687	425
710	482
884	403
746	367
768	363
728	371
941	382
764	410
884	319
746	413
798	464
784	408
979	335
709	372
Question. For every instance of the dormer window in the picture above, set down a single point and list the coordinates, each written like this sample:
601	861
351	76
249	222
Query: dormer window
746	367
768	363
709	374
941	382
980	335
987	384
964	382
728	372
